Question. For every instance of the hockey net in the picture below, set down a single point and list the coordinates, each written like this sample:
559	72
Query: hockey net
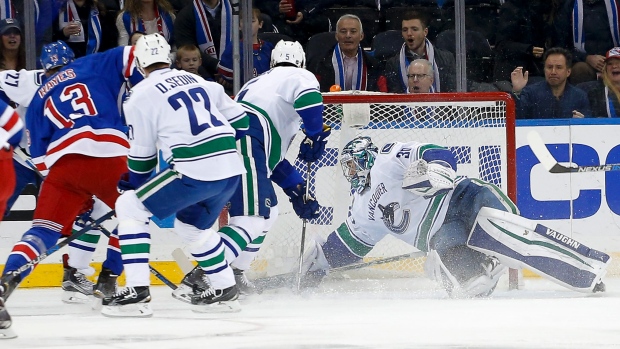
477	127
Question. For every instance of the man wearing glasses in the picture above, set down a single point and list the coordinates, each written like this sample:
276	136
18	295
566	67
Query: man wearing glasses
420	76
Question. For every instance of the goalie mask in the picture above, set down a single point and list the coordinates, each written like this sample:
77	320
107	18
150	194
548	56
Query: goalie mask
357	158
288	52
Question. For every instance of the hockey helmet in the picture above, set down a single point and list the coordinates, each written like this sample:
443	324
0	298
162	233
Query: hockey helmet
357	158
288	52
56	54
151	49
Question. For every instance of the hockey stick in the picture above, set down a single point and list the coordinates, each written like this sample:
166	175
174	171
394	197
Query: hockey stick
553	166
154	271
282	280
12	275
303	232
184	263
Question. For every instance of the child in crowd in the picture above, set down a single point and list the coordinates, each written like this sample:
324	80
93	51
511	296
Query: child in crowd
188	59
261	54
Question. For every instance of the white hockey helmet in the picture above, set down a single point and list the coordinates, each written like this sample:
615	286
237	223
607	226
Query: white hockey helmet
151	49
288	52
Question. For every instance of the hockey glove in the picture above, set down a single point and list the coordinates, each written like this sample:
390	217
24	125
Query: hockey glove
305	207
124	184
312	147
429	178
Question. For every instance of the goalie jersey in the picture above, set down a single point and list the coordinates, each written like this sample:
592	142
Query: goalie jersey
386	208
75	111
278	98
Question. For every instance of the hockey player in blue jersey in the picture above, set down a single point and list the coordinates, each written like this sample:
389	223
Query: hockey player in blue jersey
470	229
195	124
78	142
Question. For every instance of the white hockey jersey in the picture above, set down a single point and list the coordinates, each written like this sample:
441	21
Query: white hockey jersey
278	97
20	87
386	208
193	122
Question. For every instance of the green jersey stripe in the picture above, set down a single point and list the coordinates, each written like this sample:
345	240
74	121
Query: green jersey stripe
210	147
142	166
427	222
503	198
308	100
357	247
426	147
248	178
210	262
235	236
274	150
135	248
155	183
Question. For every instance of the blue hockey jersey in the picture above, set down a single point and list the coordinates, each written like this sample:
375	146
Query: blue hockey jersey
75	111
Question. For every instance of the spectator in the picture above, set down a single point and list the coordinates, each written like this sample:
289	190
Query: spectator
589	29
188	59
552	98
82	25
420	76
414	31
605	96
347	65
148	16
261	54
12	51
206	24
525	29
308	20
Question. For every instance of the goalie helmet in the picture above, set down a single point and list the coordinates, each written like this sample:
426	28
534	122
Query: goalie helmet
56	54
151	49
288	52
357	158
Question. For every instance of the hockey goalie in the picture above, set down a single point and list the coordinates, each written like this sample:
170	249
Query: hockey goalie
470	229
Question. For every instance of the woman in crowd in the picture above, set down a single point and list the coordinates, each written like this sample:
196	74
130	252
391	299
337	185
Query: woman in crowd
148	16
605	95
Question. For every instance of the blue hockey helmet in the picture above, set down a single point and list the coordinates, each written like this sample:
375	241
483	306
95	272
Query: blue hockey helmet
356	159
56	54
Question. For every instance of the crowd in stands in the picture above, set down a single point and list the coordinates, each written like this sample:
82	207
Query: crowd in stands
553	56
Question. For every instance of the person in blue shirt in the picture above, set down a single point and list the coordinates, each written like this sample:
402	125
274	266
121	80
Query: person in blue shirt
553	98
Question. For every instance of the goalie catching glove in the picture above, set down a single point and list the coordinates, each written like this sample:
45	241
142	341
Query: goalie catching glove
429	178
306	207
312	147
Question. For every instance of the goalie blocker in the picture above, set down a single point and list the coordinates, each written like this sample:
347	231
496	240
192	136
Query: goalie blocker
520	243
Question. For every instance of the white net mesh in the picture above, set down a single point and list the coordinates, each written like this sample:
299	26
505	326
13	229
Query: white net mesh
474	130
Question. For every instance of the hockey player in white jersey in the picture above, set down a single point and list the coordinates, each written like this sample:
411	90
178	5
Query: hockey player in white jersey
195	124
470	229
276	102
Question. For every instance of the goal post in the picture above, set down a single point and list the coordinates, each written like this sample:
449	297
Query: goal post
477	127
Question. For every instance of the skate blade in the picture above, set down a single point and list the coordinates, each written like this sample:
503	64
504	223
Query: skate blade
219	307
183	293
71	297
7	333
129	310
96	304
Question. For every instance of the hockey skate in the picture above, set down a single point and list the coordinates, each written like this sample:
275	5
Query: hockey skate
246	287
217	301
194	282
128	302
5	317
106	284
599	287
77	289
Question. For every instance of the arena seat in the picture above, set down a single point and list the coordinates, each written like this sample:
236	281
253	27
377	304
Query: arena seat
317	47
479	55
370	17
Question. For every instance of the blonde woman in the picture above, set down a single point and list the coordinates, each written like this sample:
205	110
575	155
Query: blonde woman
148	16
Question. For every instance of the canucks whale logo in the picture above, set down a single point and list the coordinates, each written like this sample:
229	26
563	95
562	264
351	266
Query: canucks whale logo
388	218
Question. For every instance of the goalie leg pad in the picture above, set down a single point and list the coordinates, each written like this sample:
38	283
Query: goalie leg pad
520	243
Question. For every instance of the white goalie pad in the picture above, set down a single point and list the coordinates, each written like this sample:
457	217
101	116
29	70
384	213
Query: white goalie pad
521	243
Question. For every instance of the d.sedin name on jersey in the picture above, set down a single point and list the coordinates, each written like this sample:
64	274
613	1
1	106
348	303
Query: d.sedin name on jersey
176	81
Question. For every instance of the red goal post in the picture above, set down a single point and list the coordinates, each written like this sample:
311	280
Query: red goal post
478	127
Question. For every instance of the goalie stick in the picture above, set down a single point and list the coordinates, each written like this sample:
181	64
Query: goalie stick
543	154
287	279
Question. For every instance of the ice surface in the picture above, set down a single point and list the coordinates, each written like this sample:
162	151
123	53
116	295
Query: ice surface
410	313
